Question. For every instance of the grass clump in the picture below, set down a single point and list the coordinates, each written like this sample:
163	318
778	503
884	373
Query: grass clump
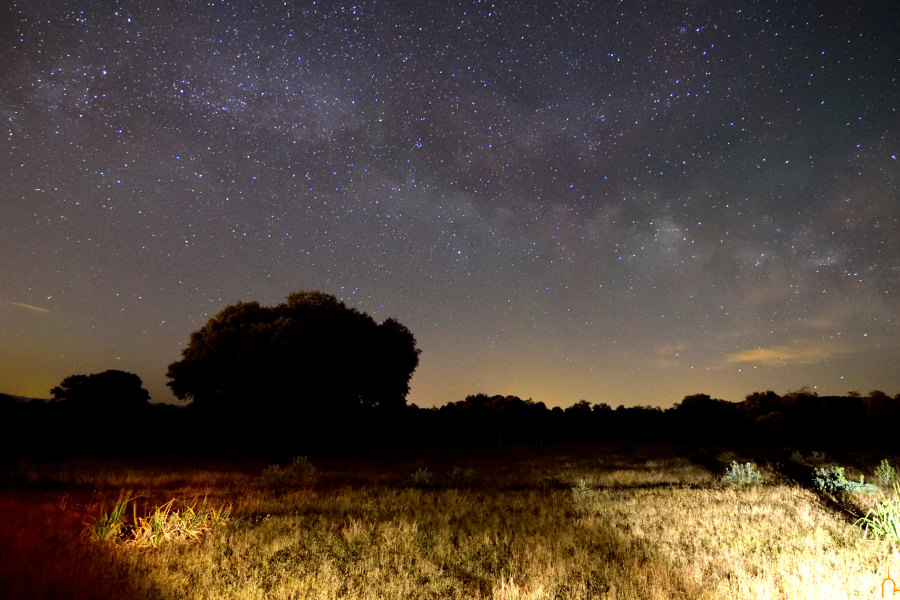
108	526
163	524
831	479
742	475
883	521
886	473
168	524
583	488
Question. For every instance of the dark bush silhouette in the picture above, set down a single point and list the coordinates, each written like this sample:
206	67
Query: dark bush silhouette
308	358
110	391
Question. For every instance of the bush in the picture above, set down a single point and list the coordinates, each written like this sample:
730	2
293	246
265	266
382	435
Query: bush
272	477
886	473
727	457
831	479
460	477
300	473
742	475
422	479
817	456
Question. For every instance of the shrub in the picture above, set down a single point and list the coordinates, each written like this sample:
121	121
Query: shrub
272	477
727	457
883	521
422	479
460	477
817	456
886	473
300	473
831	479
742	475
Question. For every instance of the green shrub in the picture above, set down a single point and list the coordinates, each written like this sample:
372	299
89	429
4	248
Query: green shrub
831	479
300	473
883	521
272	476
727	457
460	477
742	475
817	456
422	479
886	473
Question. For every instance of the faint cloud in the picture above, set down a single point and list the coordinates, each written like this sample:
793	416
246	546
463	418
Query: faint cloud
28	306
802	352
669	355
824	323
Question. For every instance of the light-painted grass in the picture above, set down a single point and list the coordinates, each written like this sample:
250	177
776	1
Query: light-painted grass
107	526
170	524
414	543
570	522
759	542
883	519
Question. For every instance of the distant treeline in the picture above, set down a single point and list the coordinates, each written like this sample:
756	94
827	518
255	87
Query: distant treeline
798	419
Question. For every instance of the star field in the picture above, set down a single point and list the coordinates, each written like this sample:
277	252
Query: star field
622	202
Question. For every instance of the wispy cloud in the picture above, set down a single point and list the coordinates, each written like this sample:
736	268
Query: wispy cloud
28	306
801	352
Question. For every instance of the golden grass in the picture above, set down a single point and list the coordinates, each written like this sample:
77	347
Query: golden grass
549	523
169	524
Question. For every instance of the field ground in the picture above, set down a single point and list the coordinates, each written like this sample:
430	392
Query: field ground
623	521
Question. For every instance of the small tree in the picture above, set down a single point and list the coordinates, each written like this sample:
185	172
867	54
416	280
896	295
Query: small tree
108	391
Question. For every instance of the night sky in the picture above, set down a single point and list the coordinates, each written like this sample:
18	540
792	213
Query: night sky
619	202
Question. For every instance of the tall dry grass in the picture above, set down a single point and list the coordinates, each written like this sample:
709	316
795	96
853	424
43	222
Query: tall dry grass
571	522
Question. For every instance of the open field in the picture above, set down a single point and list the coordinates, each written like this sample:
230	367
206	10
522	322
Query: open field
522	522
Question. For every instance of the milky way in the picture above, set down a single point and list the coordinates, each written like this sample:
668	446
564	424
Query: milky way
620	202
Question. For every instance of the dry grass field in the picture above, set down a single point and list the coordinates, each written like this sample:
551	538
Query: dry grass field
629	522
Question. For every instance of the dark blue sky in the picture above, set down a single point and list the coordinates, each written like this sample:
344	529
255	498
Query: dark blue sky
621	202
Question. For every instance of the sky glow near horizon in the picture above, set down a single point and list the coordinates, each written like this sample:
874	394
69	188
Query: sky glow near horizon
618	202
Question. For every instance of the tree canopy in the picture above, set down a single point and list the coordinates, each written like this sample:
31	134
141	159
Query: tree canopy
310	355
111	390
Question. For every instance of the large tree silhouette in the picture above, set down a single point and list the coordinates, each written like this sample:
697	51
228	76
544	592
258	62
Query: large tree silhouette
310	356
